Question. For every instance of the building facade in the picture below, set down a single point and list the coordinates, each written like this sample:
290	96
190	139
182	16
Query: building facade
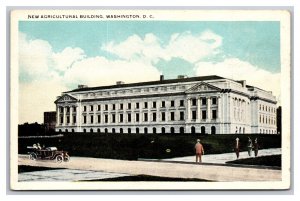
50	120
207	105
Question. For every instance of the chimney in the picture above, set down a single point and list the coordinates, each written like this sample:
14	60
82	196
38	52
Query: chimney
120	82
243	83
81	86
161	77
181	76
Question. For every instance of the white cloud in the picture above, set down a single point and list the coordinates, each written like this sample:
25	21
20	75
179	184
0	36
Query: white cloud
240	70
51	72
63	60
97	71
34	55
187	46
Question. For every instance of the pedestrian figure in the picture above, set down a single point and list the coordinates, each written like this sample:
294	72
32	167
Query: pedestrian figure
237	147
199	151
255	147
249	146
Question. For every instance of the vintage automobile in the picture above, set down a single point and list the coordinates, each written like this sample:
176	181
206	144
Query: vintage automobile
49	153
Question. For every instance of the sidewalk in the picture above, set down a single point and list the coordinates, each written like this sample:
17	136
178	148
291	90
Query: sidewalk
223	158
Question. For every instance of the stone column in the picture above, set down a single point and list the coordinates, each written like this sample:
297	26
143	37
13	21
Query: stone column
208	108
189	109
219	115
199	109
64	116
71	115
57	115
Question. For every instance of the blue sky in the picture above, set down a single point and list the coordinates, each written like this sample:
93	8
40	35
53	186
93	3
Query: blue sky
254	42
56	56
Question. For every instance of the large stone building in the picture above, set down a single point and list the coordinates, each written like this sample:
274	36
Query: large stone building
207	105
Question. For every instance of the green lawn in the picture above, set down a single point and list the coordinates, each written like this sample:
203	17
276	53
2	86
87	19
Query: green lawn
134	146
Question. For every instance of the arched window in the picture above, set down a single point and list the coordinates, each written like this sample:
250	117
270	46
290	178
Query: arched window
98	130
59	130
66	130
213	130
172	130
193	130
202	130
105	130
113	130
121	130
129	130
163	130
73	131
154	130
84	130
91	130
181	130
137	130
240	130
244	130
145	130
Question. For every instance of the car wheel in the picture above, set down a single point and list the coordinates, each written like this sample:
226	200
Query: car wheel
32	156
67	158
59	158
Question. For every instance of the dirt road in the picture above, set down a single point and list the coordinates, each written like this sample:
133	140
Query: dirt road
163	169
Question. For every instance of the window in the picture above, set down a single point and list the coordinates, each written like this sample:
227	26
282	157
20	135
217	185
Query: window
214	114
137	117
194	101
194	114
114	107
121	117
163	104
92	119
106	118
74	119
163	116
61	120
84	119
106	107
129	117
214	101
91	108
172	116
68	119
68	109
129	106
84	108
137	105
154	104
172	103
181	103
99	118
121	106
61	109
113	118
145	104
99	107
154	117
181	115
145	116
203	114
203	101
137	130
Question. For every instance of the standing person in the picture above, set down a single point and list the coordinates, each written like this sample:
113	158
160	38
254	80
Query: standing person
199	151
249	146
237	147
255	147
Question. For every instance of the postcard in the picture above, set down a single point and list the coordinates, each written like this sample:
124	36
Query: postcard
150	99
